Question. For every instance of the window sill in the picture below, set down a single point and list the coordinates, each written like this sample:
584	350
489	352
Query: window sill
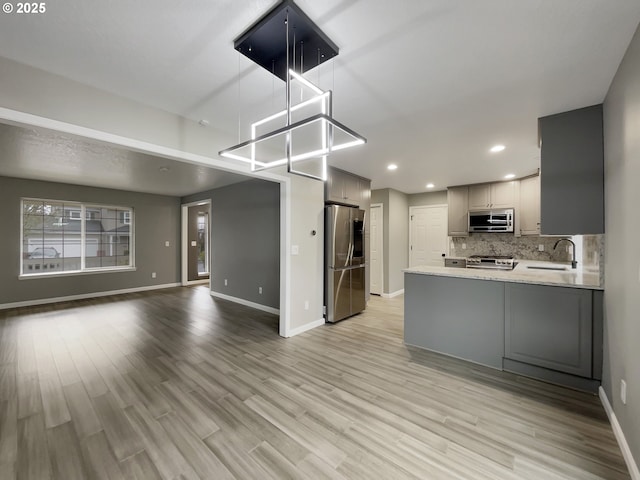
71	273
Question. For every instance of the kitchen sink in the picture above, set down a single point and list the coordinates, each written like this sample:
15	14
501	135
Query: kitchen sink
543	267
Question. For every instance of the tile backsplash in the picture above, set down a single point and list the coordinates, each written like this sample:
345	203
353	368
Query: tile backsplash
527	247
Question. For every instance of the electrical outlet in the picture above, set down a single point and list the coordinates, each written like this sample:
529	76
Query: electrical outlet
153	274
225	282
260	290
541	248
623	391
306	304
295	250
167	243
464	246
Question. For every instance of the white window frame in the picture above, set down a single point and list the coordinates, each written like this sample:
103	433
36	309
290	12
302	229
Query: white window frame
126	217
83	268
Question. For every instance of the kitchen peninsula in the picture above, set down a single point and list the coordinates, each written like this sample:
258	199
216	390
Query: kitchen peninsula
530	320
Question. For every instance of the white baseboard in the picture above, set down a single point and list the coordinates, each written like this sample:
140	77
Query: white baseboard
622	441
304	328
394	294
68	298
195	282
246	303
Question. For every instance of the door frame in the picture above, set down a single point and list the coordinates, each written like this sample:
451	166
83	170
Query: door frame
381	235
184	244
411	210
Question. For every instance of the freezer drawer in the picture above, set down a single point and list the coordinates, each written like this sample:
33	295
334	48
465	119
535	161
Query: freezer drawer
345	293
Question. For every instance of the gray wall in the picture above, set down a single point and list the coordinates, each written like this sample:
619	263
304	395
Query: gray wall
245	240
427	198
157	219
395	232
622	255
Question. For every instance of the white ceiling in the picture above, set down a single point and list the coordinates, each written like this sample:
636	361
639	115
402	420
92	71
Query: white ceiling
42	154
431	84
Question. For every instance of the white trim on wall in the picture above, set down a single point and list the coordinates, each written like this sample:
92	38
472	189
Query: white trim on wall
393	294
617	431
83	296
285	259
246	303
305	328
184	243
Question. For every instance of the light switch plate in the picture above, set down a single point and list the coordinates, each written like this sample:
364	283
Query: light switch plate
167	243
295	250
194	243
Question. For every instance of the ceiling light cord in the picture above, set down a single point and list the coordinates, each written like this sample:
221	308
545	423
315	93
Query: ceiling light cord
239	99
288	99
301	68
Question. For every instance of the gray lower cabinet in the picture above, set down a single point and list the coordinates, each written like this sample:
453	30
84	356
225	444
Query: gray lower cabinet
460	317
550	327
545	332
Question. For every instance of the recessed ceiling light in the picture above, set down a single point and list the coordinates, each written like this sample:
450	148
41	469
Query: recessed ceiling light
497	148
510	175
164	169
204	122
430	185
392	166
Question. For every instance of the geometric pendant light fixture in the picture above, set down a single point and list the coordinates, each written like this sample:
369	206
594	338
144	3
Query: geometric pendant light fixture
303	134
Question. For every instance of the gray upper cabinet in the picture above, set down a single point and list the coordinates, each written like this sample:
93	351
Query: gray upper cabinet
479	196
344	187
492	195
457	211
550	327
529	212
572	172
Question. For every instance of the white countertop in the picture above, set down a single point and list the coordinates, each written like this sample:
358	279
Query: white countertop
575	278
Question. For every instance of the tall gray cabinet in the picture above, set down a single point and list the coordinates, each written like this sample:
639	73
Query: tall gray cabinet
572	172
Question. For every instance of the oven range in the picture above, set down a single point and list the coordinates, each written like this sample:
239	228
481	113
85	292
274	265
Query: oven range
496	262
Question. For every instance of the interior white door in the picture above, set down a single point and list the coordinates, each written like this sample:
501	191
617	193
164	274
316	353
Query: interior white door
428	235
375	222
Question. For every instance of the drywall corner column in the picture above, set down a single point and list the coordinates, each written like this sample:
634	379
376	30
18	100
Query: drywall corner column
622	255
307	265
395	233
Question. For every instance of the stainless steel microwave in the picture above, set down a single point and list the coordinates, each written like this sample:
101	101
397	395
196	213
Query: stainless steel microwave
494	221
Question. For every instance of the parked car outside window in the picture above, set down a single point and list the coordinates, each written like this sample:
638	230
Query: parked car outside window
44	252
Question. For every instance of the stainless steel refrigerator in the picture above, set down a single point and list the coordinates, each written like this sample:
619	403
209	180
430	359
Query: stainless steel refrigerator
345	262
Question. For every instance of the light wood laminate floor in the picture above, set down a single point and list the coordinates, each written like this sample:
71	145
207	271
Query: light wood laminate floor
175	384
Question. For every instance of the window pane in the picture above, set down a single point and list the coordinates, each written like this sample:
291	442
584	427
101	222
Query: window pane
53	231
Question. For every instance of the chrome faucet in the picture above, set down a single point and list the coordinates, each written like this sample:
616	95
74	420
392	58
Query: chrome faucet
574	262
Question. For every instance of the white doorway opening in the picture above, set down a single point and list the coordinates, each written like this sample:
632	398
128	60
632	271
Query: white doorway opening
192	244
428	240
376	280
